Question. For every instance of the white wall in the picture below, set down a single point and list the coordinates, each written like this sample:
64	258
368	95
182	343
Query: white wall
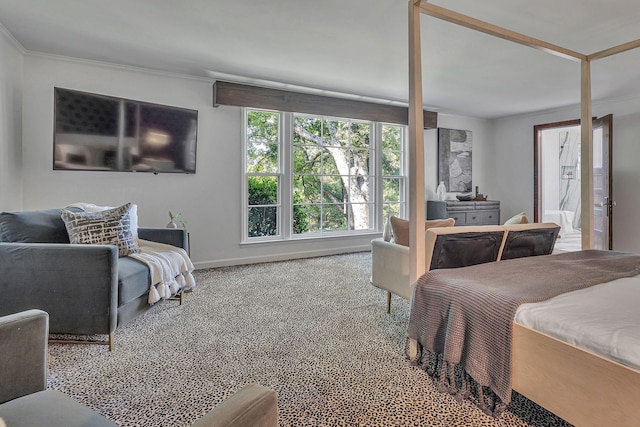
210	200
10	123
513	151
549	181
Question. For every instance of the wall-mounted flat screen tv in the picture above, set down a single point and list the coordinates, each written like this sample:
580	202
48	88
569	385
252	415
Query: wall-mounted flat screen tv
103	133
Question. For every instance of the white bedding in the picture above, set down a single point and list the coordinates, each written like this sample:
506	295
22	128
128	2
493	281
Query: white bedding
603	319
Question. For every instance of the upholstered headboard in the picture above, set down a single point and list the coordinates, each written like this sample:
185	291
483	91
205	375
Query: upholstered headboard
453	247
524	240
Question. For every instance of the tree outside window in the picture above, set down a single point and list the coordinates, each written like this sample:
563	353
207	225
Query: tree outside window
331	173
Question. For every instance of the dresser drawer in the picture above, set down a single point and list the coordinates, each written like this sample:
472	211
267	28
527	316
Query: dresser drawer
460	217
465	213
475	218
490	217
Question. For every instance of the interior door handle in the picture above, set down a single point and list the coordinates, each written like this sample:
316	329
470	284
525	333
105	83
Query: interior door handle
607	203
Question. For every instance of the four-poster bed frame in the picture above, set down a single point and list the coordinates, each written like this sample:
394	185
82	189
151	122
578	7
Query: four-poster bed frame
582	388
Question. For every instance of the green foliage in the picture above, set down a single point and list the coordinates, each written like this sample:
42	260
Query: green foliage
263	218
262	141
263	190
262	126
300	221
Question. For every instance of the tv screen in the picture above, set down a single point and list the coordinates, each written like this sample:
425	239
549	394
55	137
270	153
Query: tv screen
104	133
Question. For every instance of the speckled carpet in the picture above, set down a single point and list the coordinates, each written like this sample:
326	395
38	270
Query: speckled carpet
315	330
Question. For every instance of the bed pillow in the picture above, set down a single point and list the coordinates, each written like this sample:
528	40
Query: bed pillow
107	227
520	218
400	227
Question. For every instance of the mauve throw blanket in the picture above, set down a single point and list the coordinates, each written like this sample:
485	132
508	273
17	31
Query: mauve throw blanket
462	317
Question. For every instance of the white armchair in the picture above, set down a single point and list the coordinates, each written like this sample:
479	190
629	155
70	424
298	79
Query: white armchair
390	260
390	269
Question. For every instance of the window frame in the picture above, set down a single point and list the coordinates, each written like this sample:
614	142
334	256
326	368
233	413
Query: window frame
279	174
402	176
286	179
371	173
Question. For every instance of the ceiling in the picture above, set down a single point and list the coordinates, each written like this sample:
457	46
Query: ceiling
356	48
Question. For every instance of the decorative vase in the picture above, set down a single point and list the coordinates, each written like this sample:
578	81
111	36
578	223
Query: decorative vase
172	225
441	191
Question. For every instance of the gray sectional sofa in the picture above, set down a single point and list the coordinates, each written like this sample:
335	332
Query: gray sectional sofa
86	289
25	401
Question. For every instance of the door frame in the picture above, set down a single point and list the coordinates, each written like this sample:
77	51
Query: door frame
538	168
606	123
537	163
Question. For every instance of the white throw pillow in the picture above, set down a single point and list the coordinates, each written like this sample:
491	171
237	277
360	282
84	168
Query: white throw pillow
520	218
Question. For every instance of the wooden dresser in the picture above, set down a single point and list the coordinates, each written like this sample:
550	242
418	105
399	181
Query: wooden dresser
465	213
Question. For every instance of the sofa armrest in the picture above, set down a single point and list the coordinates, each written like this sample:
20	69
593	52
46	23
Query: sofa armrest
254	405
23	353
390	267
49	276
170	236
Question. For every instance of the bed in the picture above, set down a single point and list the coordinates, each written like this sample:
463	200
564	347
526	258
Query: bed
583	388
578	384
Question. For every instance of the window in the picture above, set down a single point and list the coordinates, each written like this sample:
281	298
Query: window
331	175
262	170
393	171
316	176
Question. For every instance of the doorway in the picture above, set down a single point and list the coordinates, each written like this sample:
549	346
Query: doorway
557	181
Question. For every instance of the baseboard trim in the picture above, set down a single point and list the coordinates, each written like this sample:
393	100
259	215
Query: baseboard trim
200	265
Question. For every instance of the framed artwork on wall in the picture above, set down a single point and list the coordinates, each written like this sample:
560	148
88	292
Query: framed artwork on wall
454	159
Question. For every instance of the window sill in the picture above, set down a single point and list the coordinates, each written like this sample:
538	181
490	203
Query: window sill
371	234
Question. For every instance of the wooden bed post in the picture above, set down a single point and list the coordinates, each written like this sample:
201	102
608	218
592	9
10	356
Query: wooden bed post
416	148
586	156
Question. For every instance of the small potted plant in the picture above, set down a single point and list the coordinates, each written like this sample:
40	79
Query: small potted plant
173	218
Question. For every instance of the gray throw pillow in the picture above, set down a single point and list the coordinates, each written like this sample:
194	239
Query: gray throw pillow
39	226
109	227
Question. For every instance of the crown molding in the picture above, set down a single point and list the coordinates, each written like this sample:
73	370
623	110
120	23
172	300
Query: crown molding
12	40
116	66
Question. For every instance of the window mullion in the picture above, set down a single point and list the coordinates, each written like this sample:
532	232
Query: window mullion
286	175
378	196
243	177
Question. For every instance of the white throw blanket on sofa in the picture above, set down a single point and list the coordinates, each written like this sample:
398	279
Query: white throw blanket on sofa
170	268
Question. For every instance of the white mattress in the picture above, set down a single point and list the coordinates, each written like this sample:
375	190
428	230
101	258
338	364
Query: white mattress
603	319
